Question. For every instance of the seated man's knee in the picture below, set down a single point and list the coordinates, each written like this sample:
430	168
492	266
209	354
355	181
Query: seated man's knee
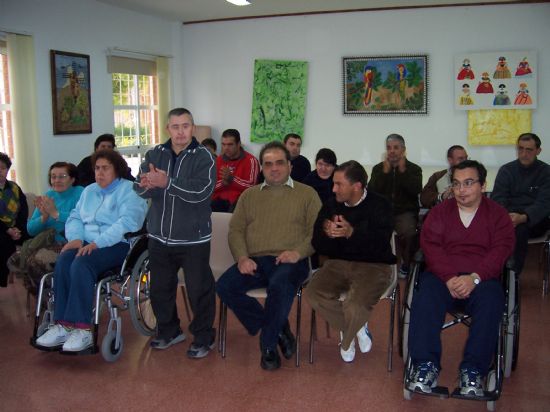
490	293
225	281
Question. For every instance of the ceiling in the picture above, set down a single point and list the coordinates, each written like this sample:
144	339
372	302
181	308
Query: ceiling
193	11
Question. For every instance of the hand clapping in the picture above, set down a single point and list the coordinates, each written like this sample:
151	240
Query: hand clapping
154	178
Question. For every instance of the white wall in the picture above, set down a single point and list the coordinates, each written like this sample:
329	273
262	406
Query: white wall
219	59
213	68
87	27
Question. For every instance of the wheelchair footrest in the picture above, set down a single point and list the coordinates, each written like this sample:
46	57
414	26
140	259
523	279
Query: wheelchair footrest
439	392
88	351
44	348
487	396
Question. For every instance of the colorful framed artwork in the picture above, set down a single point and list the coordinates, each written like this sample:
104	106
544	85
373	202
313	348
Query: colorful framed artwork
385	85
495	80
278	99
71	100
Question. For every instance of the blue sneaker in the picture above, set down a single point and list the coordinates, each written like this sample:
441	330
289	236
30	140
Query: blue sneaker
470	382
424	377
364	339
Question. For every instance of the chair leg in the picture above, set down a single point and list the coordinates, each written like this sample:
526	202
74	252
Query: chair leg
393	298
224	328
28	304
546	270
220	323
185	302
298	325
312	335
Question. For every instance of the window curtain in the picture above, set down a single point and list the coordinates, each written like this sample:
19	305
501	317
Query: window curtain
22	75
163	87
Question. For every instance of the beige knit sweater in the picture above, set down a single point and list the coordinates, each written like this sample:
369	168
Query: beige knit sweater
274	219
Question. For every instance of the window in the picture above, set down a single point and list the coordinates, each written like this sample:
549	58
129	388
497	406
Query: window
6	135
135	110
136	106
135	116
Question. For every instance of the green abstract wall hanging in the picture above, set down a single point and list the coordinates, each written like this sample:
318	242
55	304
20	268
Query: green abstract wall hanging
279	99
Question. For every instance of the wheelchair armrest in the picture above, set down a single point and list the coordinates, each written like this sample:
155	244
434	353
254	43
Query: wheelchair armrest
130	235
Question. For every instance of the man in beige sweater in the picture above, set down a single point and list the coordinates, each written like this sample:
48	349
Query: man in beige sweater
270	239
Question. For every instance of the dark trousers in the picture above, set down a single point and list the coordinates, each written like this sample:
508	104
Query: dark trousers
431	302
222	205
75	279
281	281
7	248
523	233
164	262
407	236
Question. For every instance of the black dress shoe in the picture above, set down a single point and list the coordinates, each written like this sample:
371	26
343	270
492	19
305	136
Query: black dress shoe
270	359
287	342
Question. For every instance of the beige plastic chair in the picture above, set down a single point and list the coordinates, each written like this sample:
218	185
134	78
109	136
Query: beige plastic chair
220	260
220	255
544	258
392	293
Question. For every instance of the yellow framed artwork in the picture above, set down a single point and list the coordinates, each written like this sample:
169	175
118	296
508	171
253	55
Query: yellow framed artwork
497	127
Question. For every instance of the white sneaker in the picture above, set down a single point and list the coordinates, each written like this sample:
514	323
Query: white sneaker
347	354
56	335
79	339
364	338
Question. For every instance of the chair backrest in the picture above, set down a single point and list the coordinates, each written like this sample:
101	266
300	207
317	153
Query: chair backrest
220	254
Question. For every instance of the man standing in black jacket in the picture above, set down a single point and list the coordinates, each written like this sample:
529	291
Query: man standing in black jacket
353	231
179	176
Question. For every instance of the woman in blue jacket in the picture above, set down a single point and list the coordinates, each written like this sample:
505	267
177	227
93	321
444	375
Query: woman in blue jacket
51	212
95	232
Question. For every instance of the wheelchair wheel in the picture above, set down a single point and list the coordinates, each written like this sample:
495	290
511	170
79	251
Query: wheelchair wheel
491	386
516	327
511	344
141	311
109	351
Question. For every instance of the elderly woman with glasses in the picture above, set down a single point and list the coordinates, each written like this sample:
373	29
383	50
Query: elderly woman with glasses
95	229
47	224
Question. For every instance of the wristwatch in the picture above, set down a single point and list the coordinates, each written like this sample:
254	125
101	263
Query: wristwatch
475	278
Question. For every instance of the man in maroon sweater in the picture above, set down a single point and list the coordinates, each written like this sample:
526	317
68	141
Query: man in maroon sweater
466	242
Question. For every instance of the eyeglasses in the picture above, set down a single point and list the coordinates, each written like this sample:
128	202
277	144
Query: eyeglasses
467	183
59	177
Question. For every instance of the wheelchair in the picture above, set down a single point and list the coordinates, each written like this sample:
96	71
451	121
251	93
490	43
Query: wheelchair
121	288
506	351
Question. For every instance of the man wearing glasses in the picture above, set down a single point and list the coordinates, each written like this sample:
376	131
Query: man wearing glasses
466	241
523	188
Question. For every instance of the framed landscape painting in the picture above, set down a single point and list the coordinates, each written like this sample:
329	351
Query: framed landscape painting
385	85
71	102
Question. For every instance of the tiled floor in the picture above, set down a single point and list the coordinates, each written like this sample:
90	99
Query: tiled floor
143	379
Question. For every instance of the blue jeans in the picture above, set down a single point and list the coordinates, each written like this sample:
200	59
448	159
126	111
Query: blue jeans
75	279
281	281
431	302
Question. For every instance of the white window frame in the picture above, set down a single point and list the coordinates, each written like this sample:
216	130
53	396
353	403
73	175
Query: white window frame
134	154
